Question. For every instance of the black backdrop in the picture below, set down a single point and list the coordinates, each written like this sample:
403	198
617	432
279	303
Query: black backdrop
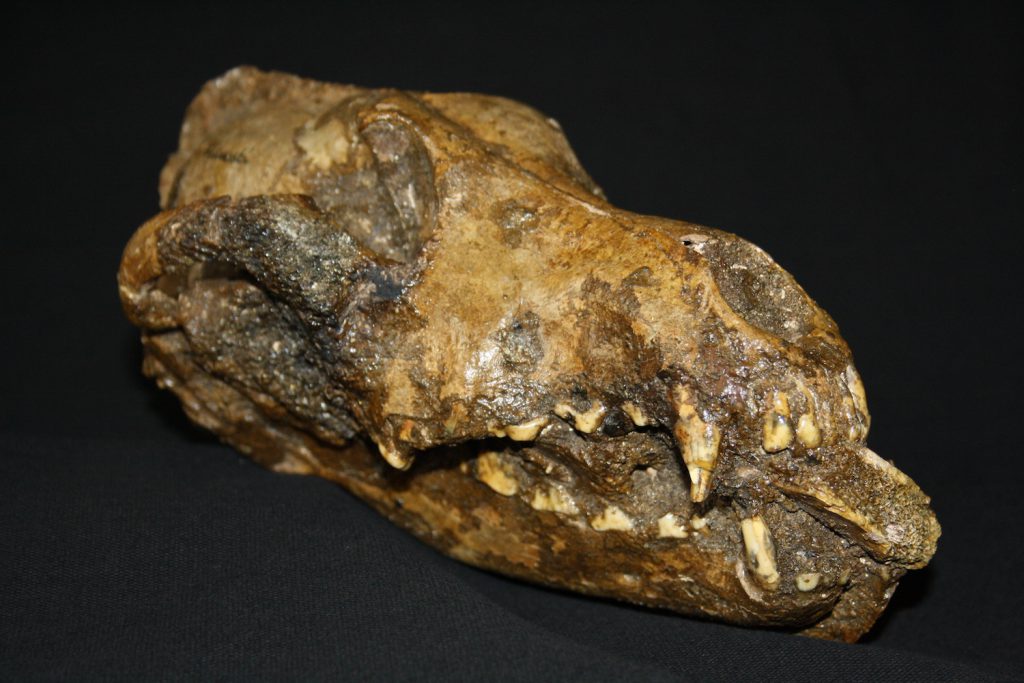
875	152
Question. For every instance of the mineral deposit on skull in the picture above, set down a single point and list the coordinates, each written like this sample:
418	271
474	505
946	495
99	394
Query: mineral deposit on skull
424	298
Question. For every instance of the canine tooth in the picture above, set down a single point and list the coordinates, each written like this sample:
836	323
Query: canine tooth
807	582
778	435
394	458
760	548
586	422
807	431
698	441
669	526
493	470
526	431
612	519
635	414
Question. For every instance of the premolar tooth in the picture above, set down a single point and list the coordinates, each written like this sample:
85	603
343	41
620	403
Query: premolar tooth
635	414
778	434
612	519
760	549
493	470
670	526
526	431
586	422
698	442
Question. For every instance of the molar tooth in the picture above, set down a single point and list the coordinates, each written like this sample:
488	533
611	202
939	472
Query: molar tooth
778	434
807	431
698	441
586	422
760	549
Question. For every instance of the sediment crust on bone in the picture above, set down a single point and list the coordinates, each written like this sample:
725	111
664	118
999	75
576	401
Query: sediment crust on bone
424	298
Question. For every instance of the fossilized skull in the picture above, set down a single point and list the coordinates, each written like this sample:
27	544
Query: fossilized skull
425	298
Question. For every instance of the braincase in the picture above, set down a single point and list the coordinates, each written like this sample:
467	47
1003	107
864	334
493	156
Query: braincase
246	110
236	110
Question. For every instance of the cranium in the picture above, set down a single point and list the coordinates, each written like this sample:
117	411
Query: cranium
424	298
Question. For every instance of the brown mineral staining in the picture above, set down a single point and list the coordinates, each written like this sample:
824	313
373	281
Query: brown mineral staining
426	299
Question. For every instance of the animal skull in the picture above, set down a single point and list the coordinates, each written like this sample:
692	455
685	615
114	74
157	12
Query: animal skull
425	298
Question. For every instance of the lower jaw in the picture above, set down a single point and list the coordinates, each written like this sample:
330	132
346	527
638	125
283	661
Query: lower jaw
696	567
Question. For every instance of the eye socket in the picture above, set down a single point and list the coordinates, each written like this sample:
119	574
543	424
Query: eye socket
757	289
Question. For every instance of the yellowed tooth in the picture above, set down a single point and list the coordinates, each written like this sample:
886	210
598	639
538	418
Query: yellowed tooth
394	458
492	469
670	526
807	582
698	442
586	422
526	431
860	399
859	402
553	499
635	414
612	519
807	431
760	550
778	434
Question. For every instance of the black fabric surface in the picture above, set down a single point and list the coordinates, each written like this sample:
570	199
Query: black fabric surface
874	151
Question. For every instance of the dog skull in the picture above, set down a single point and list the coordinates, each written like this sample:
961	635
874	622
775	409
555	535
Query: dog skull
425	298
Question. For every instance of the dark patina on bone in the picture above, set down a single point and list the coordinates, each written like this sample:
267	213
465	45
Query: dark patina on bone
424	298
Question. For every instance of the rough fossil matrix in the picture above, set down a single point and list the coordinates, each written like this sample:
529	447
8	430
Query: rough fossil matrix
424	298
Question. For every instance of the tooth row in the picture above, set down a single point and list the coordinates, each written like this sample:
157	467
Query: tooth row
698	442
760	550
